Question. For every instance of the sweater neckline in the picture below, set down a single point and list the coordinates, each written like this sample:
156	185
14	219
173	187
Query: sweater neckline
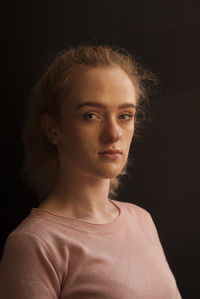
80	224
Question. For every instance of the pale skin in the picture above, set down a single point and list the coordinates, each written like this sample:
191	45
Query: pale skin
83	178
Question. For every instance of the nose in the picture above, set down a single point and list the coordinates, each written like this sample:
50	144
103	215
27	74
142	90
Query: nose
111	132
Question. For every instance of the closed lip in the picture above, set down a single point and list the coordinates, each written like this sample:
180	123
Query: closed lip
111	152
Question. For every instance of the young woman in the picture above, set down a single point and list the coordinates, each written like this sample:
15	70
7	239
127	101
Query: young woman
80	243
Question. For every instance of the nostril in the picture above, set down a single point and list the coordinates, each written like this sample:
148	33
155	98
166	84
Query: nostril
110	138
111	134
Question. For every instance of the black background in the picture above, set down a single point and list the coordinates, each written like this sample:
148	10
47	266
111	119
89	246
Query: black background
165	177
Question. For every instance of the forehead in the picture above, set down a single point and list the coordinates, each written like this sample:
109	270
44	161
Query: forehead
107	85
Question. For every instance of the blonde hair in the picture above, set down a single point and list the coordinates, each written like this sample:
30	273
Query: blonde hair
40	162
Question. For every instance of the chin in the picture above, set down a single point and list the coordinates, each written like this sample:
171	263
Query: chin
109	173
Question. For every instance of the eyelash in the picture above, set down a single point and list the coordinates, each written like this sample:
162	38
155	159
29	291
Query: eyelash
87	114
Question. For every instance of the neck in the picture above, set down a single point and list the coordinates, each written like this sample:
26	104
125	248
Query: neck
79	196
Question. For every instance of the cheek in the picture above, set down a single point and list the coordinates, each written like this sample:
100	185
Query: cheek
127	143
129	134
80	137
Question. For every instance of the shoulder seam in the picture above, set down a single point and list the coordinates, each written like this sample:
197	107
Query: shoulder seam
39	241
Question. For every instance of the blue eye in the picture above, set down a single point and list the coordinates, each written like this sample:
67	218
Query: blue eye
87	115
129	116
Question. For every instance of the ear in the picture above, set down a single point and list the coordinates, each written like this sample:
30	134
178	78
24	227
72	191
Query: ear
50	128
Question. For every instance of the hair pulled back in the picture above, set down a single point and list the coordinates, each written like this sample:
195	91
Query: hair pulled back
41	161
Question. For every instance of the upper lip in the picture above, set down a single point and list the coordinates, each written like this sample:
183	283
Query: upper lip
110	151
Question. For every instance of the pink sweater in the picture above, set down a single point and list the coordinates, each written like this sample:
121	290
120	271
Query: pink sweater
49	257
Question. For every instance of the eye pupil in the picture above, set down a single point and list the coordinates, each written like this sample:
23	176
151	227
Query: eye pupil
89	115
126	116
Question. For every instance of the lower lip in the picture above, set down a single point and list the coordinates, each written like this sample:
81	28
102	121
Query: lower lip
110	156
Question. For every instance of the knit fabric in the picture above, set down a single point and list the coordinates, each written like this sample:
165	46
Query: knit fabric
49	257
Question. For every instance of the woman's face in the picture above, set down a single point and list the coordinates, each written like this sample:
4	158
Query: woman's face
93	120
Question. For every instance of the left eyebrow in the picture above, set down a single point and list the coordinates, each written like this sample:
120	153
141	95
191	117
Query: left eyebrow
95	104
